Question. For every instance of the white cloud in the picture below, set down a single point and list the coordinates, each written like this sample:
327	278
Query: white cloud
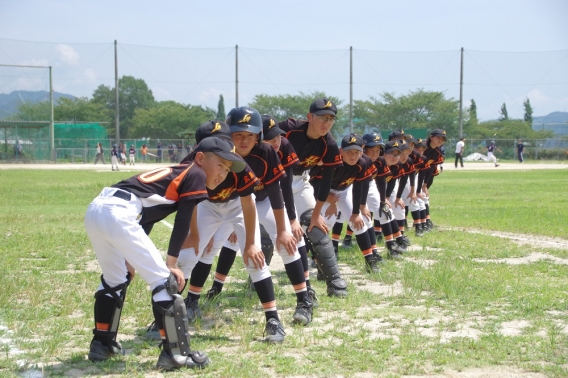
67	54
90	75
210	97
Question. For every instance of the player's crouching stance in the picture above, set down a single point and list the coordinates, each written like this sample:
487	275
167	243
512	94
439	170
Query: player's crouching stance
117	222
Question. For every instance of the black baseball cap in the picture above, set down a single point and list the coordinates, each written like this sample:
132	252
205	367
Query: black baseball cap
372	140
404	145
420	143
224	149
438	132
323	106
399	134
270	127
352	142
393	145
213	128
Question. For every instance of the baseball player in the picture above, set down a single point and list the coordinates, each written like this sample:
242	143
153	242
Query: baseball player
348	195
131	154
118	222
114	157
314	144
434	157
230	208
384	178
491	149
247	126
272	136
405	198
420	164
373	147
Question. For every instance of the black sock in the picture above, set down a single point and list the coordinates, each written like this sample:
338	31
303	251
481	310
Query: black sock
265	291
198	277
295	272
224	263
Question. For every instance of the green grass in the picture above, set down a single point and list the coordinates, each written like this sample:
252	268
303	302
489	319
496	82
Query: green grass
437	310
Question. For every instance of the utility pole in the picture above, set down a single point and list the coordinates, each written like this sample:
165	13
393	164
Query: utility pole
461	94
116	107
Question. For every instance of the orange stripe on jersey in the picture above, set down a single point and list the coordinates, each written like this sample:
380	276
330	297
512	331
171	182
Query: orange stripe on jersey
269	306
193	193
335	237
172	191
102	326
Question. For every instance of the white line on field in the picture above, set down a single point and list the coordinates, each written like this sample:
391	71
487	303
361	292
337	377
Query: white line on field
169	225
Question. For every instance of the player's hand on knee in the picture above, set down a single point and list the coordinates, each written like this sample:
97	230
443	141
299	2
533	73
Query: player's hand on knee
356	221
318	221
233	238
331	210
253	256
297	230
288	241
399	202
365	212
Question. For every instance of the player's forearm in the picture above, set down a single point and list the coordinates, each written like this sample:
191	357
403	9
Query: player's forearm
280	219
356	197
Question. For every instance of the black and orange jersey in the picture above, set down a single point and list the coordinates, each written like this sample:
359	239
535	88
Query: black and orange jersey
235	185
265	164
346	175
407	166
420	162
164	191
396	171
287	155
381	167
434	157
310	151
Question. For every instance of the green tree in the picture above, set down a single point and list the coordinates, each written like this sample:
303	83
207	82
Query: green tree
27	111
504	115
133	94
221	115
80	110
528	111
417	110
169	119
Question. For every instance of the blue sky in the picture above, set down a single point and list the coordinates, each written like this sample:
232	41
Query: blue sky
414	27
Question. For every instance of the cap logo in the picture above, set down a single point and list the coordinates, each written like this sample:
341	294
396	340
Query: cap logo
353	140
402	131
245	119
272	123
216	128
378	137
234	150
395	144
327	104
444	132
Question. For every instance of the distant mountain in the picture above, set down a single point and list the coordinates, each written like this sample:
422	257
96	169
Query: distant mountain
555	121
9	102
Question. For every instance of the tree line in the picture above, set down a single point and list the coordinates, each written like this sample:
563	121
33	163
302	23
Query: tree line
141	116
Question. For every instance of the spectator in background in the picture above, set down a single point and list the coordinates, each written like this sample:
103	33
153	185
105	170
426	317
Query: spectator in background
460	146
123	153
159	152
18	149
100	153
520	149
143	152
179	153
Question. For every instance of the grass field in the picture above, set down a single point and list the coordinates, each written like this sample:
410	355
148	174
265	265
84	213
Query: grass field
463	302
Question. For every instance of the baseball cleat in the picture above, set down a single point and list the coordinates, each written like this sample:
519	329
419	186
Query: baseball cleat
195	360
212	293
153	333
193	311
303	313
347	243
98	352
273	331
312	297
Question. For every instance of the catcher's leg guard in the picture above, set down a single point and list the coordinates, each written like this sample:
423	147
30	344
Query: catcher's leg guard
176	352
104	344
326	260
